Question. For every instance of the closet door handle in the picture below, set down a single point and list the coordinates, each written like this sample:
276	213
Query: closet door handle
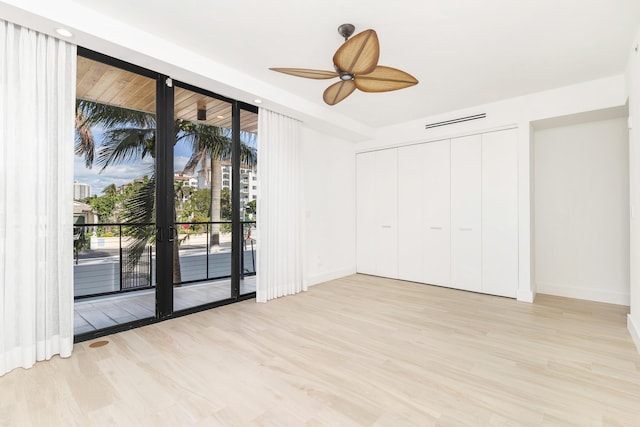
465	229
386	226
436	228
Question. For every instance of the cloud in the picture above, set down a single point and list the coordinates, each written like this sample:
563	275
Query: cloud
119	174
179	162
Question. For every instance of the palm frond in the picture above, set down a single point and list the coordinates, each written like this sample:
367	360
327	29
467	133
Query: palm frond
192	163
84	142
111	116
139	209
140	206
248	155
124	144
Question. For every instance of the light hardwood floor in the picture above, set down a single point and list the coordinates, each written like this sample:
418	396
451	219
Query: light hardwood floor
359	351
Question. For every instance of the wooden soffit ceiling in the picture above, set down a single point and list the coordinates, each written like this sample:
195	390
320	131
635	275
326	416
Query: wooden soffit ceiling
106	84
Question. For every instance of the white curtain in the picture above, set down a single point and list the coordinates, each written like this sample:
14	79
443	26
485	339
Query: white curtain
279	207
37	104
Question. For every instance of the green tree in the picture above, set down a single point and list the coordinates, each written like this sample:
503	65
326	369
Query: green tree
225	205
104	206
110	190
251	208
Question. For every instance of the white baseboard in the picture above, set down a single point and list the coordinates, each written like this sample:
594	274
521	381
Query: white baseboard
525	295
599	295
325	277
634	330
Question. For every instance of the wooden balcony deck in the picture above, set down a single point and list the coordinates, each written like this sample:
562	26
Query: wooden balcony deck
102	312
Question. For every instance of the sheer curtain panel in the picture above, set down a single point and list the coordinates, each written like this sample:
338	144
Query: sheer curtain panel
279	207
37	105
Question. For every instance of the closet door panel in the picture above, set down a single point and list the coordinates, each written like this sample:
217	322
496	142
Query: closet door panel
366	224
386	209
466	194
411	206
437	213
500	213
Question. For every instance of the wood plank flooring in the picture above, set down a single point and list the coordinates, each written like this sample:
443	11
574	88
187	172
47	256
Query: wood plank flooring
358	351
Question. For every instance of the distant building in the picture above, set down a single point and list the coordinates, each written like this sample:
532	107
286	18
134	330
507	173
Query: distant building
248	180
188	180
84	214
81	191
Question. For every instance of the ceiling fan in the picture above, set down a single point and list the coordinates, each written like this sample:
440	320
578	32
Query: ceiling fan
356	64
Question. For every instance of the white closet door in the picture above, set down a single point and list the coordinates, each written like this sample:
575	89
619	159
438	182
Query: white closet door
411	206
466	194
366	224
377	213
437	213
500	213
386	206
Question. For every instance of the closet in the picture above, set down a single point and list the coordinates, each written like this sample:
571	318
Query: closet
443	212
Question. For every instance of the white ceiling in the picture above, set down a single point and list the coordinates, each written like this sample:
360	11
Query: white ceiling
463	52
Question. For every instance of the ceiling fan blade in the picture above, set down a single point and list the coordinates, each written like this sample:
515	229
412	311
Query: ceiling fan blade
309	74
338	91
359	54
384	79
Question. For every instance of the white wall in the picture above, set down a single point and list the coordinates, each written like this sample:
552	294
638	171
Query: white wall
582	211
633	87
330	207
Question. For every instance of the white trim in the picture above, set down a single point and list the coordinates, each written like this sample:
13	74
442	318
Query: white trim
332	275
583	293
525	295
634	330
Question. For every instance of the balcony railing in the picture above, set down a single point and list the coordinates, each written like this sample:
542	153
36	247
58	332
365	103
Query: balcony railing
108	261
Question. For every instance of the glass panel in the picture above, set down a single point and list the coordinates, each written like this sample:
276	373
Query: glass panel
248	198
202	184
114	197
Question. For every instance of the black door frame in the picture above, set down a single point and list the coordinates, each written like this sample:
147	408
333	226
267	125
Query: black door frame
165	221
165	225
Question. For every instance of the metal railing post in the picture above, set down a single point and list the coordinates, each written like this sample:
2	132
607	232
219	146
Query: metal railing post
120	245
207	253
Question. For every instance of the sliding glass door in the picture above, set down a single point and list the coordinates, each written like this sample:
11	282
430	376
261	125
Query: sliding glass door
114	196
201	180
215	178
166	201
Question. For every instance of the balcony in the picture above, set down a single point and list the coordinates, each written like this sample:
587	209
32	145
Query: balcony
110	289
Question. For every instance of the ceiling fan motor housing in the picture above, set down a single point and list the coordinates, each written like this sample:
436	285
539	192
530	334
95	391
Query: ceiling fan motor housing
345	30
346	76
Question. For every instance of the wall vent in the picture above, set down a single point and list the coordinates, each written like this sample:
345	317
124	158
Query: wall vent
454	121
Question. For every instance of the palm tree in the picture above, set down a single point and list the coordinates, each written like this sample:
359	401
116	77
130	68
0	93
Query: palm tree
128	135
214	143
131	134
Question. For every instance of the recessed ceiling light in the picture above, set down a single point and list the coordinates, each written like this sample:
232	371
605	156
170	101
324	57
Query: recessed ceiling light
64	32
258	101
220	117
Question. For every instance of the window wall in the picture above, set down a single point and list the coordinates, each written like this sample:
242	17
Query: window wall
168	224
